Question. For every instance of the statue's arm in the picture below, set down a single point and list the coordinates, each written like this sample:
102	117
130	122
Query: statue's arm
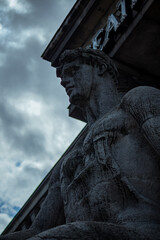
143	103
50	215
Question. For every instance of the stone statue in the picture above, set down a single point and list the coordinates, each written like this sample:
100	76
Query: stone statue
109	187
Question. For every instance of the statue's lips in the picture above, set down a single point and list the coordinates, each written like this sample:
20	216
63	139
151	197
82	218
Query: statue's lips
69	89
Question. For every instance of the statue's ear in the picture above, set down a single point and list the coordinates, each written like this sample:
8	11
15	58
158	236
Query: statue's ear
102	69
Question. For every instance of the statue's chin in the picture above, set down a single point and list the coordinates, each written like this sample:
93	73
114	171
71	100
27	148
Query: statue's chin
78	100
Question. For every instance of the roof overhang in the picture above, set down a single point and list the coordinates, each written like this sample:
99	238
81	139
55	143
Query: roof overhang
78	28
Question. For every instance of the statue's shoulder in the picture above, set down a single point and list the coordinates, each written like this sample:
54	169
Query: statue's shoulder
143	97
142	103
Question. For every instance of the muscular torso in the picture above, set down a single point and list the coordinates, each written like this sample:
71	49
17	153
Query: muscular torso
115	177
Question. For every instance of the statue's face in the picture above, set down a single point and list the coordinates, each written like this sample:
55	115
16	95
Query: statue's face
77	81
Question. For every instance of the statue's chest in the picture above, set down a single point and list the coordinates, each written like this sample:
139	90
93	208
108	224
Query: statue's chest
90	180
94	161
104	135
96	151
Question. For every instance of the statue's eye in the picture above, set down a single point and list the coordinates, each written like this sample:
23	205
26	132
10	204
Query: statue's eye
72	71
69	71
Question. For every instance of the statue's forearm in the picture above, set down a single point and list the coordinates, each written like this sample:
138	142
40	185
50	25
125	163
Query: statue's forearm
51	213
21	235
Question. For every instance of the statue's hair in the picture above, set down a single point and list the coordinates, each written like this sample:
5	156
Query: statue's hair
90	56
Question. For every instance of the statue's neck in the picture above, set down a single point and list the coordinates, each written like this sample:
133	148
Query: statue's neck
103	98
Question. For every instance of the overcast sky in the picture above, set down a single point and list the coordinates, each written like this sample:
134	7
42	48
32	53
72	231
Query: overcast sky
34	122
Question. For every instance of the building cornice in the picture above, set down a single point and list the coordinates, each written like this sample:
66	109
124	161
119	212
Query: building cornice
83	21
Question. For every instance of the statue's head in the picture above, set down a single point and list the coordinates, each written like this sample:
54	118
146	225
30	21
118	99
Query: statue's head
79	67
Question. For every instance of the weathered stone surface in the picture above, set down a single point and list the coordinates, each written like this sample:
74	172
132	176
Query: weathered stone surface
108	187
92	230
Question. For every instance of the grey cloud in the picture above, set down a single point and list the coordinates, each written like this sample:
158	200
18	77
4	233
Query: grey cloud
14	75
31	142
45	14
4	218
15	78
32	170
7	208
3	4
9	117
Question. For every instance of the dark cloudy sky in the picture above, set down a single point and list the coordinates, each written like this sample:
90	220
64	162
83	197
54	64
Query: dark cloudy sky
34	122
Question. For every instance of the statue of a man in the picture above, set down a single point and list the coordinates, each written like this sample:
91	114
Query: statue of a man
109	188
